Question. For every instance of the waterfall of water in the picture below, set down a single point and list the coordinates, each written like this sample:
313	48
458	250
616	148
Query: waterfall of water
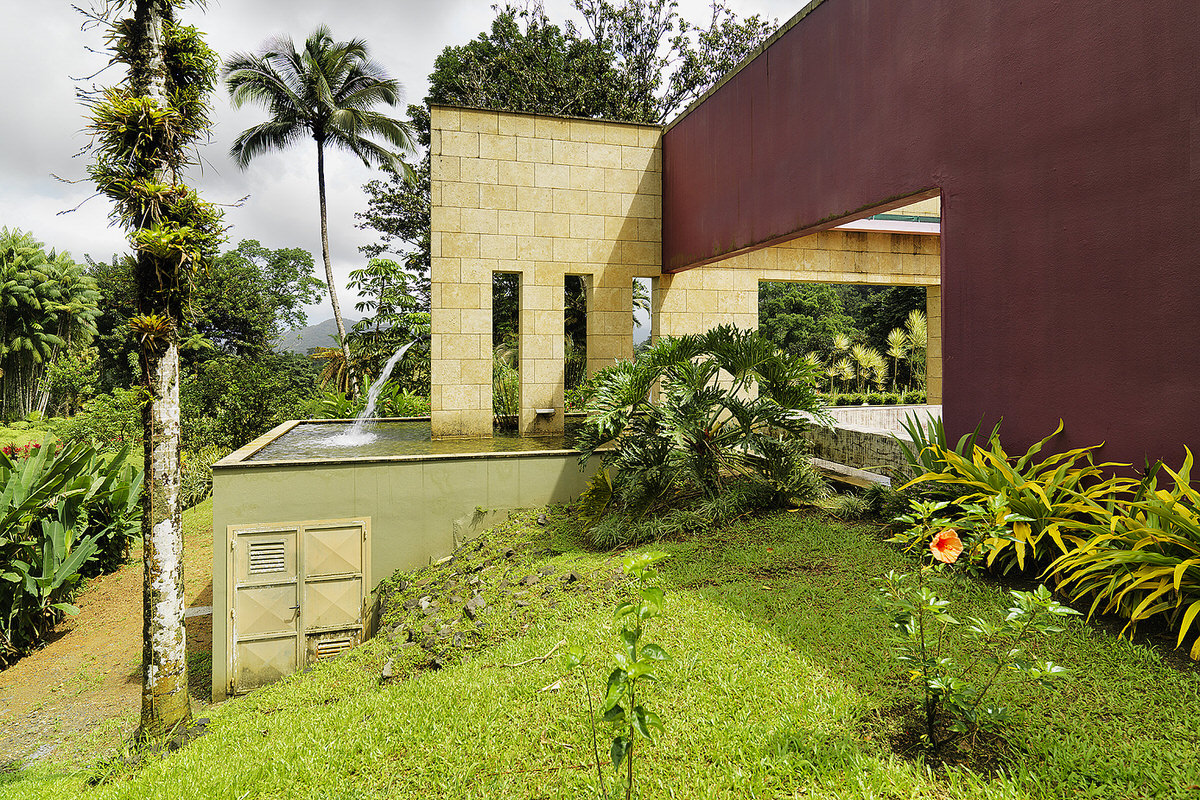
357	433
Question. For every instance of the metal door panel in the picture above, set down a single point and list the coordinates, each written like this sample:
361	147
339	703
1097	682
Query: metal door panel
296	596
332	551
266	609
265	556
333	603
261	661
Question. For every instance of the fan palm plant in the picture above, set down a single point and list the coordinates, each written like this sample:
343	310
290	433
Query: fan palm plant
845	372
727	398
325	90
898	344
871	366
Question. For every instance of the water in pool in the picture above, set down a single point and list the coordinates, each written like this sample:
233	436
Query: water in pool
322	440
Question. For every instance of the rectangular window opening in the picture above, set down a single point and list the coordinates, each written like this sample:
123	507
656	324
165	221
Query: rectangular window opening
870	342
506	354
575	336
643	294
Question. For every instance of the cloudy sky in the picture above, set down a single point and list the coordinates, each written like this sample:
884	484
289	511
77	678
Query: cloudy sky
44	56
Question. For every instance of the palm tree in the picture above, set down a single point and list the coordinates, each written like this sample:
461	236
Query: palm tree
898	344
917	327
326	90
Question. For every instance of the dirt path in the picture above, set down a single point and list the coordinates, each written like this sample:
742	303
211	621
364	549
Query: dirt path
81	693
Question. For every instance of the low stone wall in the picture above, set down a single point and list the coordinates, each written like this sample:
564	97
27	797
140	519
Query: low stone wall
874	451
881	418
864	437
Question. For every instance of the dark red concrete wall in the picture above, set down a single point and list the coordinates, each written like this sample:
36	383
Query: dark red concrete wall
1064	136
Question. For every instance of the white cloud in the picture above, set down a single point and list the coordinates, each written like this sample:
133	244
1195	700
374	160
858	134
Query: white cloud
43	46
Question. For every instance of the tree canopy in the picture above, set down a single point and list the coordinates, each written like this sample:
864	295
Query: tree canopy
327	90
48	310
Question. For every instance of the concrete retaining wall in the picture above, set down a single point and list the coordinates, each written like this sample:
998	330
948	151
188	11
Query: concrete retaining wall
864	437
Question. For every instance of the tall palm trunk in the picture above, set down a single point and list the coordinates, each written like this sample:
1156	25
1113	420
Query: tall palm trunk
337	309
165	702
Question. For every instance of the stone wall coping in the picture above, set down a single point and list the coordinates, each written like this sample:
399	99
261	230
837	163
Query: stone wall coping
605	120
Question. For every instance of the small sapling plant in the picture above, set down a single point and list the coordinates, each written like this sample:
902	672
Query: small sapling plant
952	693
623	705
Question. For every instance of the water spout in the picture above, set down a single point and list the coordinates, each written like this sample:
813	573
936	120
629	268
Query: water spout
358	434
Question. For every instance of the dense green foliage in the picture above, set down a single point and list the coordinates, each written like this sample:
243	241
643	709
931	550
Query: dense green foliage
229	400
863	337
110	420
252	294
1129	546
724	428
48	311
64	513
234	385
393	317
393	401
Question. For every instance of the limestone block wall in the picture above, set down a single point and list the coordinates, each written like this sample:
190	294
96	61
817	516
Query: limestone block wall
546	197
543	197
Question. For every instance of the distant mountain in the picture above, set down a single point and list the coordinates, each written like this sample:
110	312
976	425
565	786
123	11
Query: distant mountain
301	340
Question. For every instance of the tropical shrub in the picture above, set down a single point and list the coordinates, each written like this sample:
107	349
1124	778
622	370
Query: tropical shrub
1143	560
576	398
1038	507
195	472
393	401
63	514
954	667
506	386
914	397
48	308
111	420
230	400
928	441
730	408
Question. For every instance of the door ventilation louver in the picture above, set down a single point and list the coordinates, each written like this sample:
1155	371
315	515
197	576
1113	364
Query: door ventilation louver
328	648
267	557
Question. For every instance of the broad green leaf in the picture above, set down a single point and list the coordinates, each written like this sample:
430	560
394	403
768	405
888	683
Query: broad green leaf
654	652
620	747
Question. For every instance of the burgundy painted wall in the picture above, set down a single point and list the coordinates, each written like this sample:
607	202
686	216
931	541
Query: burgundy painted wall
1064	136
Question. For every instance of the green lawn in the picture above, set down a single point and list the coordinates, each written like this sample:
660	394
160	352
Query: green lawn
24	433
781	686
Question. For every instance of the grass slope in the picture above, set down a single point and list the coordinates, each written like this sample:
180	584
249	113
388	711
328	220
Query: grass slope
781	686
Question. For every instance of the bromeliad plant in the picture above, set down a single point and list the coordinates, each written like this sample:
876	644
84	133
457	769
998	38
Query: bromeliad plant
955	667
636	663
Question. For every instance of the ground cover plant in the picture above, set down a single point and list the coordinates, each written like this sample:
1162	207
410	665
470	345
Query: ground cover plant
780	685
